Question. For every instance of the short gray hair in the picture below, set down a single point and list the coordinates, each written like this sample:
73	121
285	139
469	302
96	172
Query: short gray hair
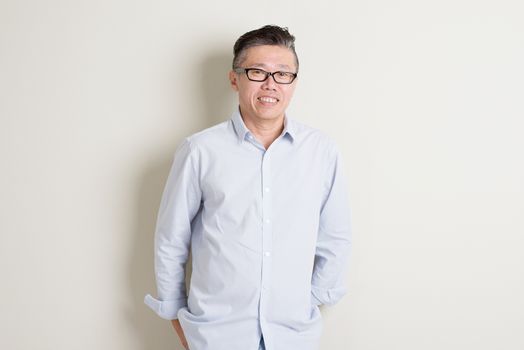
266	35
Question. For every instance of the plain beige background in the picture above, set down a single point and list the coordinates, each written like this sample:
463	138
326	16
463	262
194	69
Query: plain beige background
425	99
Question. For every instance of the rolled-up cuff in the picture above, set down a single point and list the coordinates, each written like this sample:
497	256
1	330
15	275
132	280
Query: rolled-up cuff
166	309
314	300
327	296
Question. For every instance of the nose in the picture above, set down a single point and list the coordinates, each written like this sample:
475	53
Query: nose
269	84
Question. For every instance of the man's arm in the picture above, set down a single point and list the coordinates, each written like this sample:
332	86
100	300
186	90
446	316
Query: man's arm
334	238
180	332
180	203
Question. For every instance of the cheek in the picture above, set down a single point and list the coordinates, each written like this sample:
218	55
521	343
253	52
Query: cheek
247	97
289	94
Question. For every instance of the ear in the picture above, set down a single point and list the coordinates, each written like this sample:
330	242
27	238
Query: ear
233	80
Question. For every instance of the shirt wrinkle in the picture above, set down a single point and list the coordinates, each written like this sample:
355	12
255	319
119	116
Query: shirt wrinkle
269	236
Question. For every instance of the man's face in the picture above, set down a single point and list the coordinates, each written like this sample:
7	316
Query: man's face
268	99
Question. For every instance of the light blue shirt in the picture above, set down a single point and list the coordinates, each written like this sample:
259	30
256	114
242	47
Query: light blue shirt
269	233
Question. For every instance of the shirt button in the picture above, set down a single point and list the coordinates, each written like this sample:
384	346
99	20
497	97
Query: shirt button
266	189
268	221
267	253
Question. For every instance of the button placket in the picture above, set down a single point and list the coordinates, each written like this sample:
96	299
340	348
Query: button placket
267	234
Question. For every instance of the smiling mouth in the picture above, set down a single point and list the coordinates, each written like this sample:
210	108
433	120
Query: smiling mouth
268	99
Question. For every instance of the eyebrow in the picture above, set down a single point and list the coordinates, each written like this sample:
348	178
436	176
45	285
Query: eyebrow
262	65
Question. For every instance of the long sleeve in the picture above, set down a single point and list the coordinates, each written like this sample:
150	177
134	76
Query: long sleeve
179	204
334	238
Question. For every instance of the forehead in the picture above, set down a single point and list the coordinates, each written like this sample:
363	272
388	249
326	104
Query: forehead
269	56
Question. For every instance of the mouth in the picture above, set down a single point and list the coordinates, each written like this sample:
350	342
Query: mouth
268	100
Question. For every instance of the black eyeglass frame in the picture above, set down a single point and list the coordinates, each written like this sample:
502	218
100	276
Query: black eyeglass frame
272	74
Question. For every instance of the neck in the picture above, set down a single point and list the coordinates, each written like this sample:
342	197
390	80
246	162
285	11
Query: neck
264	130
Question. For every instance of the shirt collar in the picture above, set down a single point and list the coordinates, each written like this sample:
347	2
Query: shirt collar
242	130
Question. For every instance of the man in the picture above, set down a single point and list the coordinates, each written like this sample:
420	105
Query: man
261	201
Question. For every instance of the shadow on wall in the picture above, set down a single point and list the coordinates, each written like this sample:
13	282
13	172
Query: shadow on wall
217	103
218	97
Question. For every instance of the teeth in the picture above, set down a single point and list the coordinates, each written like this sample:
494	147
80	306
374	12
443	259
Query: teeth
268	99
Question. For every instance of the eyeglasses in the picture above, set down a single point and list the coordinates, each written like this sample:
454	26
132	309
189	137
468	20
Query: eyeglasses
256	74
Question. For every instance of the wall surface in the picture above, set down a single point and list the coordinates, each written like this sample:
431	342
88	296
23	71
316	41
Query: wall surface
425	99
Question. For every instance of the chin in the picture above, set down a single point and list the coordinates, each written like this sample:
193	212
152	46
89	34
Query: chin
270	116
270	113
